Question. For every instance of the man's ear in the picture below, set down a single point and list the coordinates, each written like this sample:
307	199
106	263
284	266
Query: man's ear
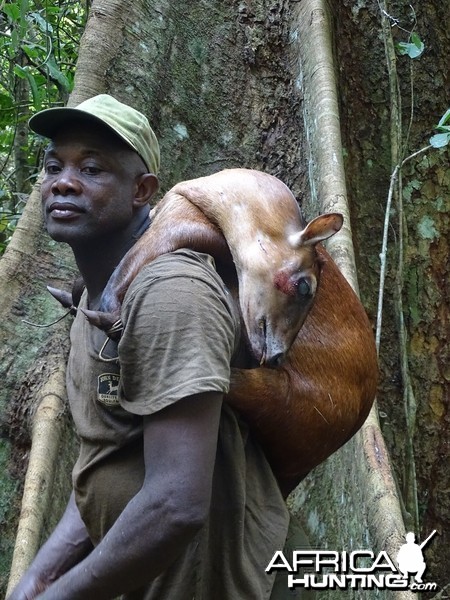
146	187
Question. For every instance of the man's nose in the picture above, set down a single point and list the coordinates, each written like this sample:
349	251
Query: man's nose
66	182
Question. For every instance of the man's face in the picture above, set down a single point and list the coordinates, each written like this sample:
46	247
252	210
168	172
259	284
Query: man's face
89	185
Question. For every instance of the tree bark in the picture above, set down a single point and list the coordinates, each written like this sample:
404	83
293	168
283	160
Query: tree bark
47	426
389	105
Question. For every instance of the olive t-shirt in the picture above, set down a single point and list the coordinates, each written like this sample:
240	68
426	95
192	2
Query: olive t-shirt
181	329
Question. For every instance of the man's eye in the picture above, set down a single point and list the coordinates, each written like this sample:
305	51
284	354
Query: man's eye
91	170
52	169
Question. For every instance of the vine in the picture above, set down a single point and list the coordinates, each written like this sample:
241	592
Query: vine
413	48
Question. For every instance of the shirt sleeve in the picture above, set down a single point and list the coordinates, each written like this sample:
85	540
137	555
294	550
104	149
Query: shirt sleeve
180	332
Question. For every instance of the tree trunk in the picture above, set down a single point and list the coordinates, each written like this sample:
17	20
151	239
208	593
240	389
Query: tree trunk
21	167
235	85
376	105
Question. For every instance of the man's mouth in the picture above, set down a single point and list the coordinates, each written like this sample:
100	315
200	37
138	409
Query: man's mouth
64	210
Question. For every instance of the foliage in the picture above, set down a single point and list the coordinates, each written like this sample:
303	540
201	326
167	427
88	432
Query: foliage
413	48
441	139
38	51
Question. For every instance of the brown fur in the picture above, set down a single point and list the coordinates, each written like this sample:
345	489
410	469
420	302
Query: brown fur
176	224
309	407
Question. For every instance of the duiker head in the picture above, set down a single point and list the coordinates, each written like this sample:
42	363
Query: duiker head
274	253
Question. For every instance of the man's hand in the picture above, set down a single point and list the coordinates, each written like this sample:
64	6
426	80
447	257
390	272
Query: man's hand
66	547
29	587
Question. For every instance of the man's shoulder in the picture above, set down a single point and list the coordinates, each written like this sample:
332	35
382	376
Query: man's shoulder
179	263
178	270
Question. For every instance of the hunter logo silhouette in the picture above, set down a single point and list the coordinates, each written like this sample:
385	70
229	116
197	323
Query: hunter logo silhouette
410	557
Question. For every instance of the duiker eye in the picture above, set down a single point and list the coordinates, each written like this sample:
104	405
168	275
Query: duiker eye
303	287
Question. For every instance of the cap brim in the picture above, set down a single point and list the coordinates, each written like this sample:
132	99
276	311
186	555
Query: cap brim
48	122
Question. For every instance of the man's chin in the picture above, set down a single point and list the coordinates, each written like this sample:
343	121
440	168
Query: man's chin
65	234
57	235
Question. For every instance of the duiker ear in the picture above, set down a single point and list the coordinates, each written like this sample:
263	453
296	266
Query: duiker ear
319	229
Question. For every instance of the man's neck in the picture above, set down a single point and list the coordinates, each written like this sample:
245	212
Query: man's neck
97	261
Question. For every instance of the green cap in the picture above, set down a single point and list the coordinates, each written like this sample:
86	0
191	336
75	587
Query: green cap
129	124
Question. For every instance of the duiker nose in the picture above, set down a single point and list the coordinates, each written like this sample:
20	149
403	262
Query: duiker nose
276	360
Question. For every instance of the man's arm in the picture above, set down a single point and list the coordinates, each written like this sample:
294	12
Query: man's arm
68	545
180	444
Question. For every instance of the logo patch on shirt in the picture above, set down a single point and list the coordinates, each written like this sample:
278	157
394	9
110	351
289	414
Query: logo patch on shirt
108	389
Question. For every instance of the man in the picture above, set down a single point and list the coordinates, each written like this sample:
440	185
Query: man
172	499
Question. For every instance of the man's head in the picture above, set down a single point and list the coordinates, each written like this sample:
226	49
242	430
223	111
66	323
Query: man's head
99	171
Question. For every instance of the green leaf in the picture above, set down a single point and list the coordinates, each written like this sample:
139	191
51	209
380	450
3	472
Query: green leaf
25	73
444	118
57	75
12	11
415	39
43	25
14	42
439	140
413	48
40	79
19	71
31	50
34	91
6	101
23	18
